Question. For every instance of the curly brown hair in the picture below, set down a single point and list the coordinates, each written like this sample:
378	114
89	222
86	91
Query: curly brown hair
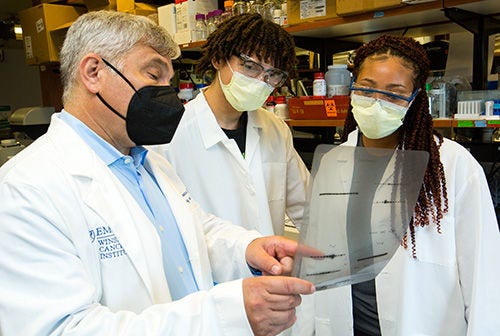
249	34
417	133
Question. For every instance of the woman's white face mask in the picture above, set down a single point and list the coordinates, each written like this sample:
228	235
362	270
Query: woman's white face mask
377	118
245	93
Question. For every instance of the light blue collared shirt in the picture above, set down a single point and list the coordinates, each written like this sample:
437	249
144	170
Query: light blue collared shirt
142	185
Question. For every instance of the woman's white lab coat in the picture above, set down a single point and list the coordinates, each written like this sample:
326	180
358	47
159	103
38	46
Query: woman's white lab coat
253	192
451	288
78	256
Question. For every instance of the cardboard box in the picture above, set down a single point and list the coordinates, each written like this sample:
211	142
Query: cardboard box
126	6
350	7
166	18
145	9
300	11
60	2
44	28
317	108
185	20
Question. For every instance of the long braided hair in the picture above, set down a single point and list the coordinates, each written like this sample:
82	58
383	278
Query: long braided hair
249	34
417	130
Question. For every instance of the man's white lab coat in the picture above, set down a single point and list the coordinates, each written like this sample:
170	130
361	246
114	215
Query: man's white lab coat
78	256
451	288
253	192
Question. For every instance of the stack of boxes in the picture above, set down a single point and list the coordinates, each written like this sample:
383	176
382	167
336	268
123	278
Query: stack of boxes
44	29
45	24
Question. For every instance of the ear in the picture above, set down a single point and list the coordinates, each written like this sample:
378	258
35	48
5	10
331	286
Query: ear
89	69
216	64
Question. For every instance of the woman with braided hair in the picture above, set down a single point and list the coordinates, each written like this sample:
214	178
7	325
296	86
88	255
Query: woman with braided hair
248	171
443	279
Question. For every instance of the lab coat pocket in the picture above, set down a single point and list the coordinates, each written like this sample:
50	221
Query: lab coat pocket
437	248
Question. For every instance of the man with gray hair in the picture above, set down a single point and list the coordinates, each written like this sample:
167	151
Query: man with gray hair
100	237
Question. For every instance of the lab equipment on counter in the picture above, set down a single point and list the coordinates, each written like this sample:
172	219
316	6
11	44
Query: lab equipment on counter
33	121
443	98
9	148
359	209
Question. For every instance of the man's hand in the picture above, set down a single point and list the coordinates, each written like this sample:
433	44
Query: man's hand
270	302
272	255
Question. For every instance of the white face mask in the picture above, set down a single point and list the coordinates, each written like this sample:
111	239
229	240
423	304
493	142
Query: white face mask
245	93
377	118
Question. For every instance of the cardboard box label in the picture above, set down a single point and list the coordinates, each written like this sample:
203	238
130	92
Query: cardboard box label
318	108
28	46
312	8
330	108
39	25
349	7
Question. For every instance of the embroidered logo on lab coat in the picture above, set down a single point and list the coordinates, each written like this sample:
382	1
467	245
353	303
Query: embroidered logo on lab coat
108	245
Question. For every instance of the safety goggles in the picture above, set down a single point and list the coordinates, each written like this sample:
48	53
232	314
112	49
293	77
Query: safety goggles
251	68
391	97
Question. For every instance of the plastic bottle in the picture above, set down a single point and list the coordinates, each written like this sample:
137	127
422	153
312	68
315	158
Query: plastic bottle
284	15
281	108
319	84
337	79
210	22
269	104
240	7
443	96
228	10
257	7
269	7
277	16
430	97
185	91
200	28
217	17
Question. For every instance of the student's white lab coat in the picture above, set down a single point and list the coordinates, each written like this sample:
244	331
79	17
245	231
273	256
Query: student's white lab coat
253	192
78	256
451	288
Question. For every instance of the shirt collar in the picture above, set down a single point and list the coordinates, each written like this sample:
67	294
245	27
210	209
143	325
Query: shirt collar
104	150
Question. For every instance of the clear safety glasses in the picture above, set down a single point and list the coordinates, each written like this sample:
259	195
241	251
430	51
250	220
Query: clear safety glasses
390	97
251	68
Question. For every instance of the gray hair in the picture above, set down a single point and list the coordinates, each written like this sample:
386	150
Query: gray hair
111	35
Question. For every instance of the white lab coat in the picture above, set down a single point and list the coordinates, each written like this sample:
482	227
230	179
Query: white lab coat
452	286
253	192
59	202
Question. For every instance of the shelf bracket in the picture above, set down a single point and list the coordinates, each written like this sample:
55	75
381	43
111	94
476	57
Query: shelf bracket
482	26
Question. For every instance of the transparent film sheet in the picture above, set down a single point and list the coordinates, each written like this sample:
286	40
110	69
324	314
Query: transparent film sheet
360	204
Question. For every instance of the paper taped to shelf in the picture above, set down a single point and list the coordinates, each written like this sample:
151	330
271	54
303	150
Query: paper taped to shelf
350	7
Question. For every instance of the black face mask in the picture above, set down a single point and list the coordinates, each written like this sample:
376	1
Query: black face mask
153	114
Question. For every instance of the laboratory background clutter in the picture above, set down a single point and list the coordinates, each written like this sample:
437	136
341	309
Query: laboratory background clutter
463	90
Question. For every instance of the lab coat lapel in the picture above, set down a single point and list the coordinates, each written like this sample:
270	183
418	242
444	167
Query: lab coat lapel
253	135
212	134
106	195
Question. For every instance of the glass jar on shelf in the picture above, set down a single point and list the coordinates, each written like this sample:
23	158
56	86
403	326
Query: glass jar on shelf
240	7
200	28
